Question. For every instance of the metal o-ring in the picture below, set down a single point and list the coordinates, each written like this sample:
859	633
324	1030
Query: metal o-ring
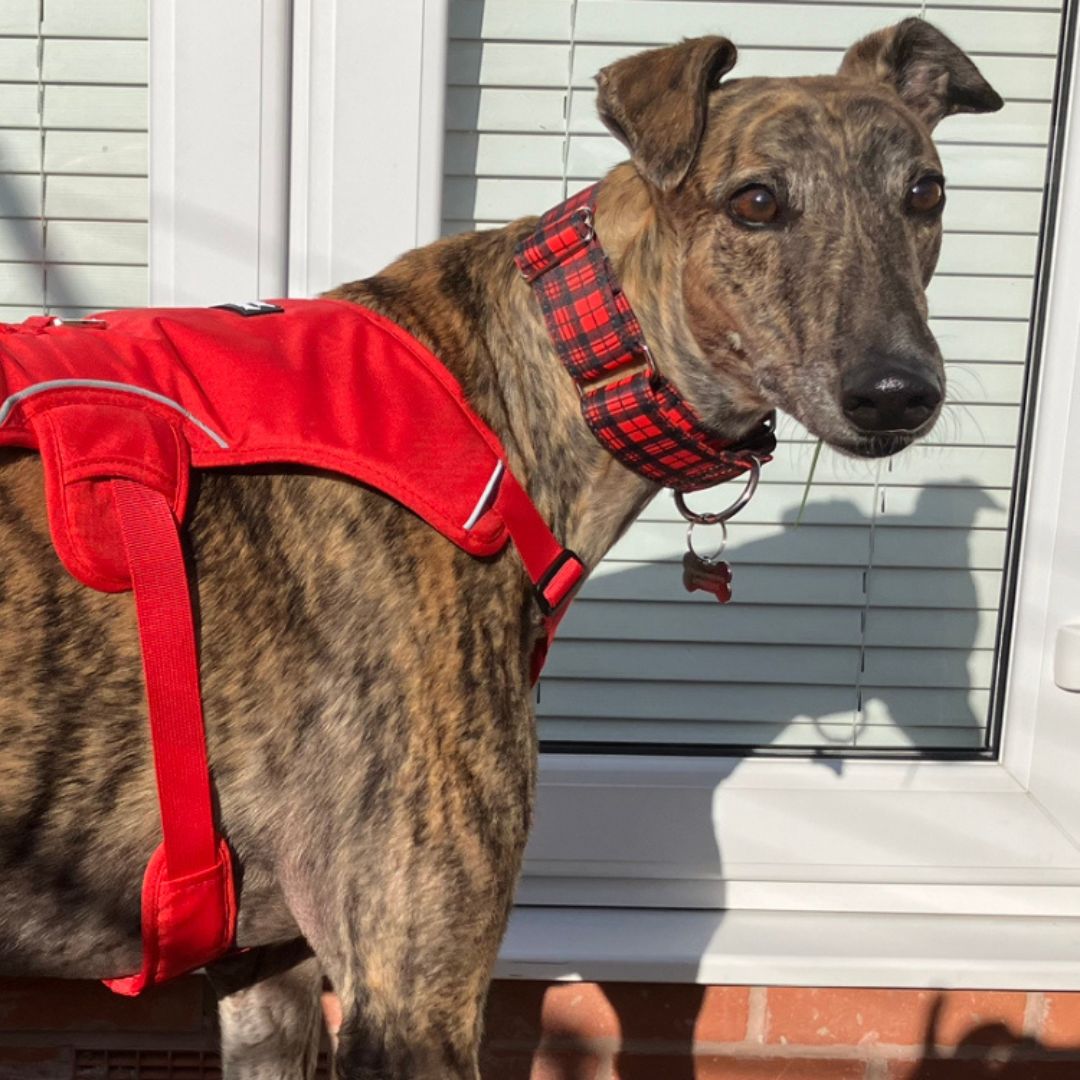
728	513
714	558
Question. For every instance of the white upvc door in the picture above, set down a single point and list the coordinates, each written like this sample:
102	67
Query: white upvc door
827	870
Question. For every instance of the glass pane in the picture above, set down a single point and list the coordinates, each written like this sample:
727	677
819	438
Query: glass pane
73	158
871	626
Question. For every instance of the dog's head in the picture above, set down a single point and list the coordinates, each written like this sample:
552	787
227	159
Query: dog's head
808	212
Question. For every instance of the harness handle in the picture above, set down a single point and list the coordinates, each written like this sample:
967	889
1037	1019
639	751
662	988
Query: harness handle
188	901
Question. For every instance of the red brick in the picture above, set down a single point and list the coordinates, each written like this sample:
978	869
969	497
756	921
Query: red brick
649	1012
513	1014
1061	1025
35	1063
983	1070
69	1005
541	1065
724	1015
584	1012
724	1067
979	1018
860	1017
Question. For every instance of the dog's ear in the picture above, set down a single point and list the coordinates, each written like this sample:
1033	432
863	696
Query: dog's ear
933	77
655	103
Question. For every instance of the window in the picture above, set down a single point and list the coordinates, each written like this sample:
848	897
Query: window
73	157
872	625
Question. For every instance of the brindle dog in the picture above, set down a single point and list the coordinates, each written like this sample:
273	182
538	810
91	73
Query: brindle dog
366	683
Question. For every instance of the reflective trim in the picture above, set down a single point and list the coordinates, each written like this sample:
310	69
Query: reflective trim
103	384
483	503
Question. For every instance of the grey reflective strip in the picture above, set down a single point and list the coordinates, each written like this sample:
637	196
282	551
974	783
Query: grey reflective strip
485	499
103	384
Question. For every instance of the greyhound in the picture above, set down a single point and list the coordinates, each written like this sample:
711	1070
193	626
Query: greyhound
366	683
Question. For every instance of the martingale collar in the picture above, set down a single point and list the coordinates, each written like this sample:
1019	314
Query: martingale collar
637	414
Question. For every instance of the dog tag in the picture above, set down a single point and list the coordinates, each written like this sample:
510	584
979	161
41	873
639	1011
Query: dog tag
706	575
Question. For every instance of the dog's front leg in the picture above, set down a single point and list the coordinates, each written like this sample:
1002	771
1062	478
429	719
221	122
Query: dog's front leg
269	1012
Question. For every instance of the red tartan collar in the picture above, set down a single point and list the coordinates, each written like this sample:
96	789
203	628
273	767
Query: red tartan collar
639	416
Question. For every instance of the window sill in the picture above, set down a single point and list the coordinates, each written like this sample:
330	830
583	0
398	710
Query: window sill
792	948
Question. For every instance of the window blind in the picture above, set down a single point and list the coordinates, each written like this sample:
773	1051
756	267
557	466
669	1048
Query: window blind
871	625
73	150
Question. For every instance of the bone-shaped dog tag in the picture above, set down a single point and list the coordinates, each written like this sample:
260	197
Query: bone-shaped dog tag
706	575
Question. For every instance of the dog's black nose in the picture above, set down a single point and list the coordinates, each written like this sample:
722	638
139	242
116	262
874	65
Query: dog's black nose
888	397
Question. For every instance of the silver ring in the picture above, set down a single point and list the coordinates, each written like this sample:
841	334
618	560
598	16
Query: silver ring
714	558
728	513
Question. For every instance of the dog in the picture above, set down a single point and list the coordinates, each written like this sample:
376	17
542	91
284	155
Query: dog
366	683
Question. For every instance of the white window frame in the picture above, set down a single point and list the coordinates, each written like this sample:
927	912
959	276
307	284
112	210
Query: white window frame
369	86
860	872
294	144
219	137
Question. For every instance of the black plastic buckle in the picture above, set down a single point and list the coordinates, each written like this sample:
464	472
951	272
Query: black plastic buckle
550	574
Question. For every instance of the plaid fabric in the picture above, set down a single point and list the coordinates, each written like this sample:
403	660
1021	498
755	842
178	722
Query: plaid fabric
593	327
645	423
641	418
560	232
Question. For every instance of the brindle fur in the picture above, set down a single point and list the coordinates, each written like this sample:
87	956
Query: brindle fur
365	683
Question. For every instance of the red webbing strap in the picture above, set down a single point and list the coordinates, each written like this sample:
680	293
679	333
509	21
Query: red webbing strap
171	667
189	911
555	571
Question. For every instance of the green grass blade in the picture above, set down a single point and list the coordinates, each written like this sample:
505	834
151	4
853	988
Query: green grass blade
809	481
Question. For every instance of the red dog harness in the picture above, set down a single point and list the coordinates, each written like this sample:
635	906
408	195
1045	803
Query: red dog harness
121	407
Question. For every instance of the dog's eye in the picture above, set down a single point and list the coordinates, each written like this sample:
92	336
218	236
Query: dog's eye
755	205
926	195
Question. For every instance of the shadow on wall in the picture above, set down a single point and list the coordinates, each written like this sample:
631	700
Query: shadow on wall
565	836
701	840
35	283
662	1032
922	629
994	1052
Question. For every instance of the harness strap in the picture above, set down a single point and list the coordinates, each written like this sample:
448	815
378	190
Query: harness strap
555	571
189	907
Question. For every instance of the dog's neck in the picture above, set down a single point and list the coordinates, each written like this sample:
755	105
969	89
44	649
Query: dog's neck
483	323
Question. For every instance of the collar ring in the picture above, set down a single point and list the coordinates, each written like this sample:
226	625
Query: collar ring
728	512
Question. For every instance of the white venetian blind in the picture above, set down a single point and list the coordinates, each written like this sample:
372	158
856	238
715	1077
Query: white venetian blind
73	146
873	624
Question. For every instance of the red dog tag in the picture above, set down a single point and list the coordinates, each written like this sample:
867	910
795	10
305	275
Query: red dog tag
713	577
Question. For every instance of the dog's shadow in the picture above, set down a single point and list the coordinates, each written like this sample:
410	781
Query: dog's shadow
926	621
851	631
559	1050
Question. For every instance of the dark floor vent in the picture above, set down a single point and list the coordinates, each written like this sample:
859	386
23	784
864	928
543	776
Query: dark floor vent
146	1065
154	1065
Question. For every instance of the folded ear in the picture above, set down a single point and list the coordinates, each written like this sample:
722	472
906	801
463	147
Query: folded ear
655	103
933	77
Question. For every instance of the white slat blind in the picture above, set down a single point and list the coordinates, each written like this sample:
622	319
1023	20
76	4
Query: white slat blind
73	147
872	625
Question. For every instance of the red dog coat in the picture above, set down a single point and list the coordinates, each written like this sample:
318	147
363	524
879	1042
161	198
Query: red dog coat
120	408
